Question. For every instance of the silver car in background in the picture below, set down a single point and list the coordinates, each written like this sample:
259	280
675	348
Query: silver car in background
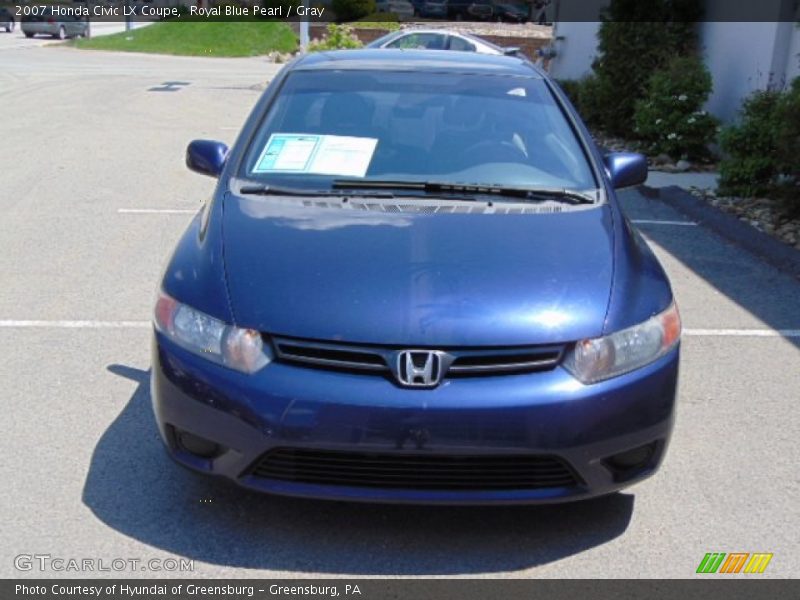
59	26
440	39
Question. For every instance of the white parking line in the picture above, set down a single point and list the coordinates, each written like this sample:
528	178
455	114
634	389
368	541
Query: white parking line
157	211
27	324
11	323
787	333
657	222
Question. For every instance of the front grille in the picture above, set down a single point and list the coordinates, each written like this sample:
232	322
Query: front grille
460	361
415	471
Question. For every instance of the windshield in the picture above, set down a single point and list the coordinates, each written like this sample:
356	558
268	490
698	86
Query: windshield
416	126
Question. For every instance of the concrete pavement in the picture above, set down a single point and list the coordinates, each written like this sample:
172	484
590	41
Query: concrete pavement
95	195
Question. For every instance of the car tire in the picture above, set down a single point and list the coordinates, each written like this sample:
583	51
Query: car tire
28	34
62	33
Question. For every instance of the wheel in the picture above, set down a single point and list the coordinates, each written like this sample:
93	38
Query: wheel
62	34
28	34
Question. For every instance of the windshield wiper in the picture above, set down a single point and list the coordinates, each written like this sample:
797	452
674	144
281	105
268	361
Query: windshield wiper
263	189
469	189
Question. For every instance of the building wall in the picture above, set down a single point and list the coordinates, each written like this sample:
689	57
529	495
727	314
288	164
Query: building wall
742	56
576	46
793	66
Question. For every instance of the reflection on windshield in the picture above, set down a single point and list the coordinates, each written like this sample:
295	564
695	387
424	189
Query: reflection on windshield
480	129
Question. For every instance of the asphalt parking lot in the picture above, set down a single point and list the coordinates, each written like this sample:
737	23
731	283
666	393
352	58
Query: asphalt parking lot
95	195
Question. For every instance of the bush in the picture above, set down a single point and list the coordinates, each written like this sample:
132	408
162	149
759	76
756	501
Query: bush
750	162
571	87
338	37
787	145
595	100
635	39
670	119
762	151
588	96
352	10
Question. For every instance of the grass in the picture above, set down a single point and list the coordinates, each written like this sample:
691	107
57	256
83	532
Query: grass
377	21
200	38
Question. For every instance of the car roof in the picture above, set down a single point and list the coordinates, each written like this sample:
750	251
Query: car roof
408	30
417	60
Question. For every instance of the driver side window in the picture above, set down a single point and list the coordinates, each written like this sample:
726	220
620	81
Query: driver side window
460	44
427	41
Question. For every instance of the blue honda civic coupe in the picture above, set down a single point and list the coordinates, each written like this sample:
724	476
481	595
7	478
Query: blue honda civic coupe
414	283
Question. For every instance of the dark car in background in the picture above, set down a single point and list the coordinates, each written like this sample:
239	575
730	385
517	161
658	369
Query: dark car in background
430	9
414	283
511	12
7	20
470	10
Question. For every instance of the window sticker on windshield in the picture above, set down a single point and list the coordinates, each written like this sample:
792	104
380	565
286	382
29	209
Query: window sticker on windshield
316	154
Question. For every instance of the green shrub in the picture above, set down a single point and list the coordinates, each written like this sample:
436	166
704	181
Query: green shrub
635	39
571	87
596	100
750	163
387	21
338	37
352	10
671	119
787	145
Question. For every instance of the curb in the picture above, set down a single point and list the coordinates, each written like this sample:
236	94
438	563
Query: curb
764	246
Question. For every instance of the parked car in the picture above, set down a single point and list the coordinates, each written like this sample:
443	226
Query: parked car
470	10
430	9
414	283
60	27
7	20
511	12
402	8
439	39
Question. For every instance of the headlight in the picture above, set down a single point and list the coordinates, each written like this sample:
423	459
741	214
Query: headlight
602	358
234	347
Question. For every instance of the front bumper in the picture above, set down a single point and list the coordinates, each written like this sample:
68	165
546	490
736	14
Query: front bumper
537	414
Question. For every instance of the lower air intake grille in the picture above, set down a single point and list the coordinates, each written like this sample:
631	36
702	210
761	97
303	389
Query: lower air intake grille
415	471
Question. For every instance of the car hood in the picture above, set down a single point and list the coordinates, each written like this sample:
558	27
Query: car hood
324	271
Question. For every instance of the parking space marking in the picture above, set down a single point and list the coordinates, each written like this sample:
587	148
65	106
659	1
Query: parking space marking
787	333
26	324
657	222
157	211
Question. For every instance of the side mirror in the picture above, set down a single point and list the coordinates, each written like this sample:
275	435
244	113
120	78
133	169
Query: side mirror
626	169
206	157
